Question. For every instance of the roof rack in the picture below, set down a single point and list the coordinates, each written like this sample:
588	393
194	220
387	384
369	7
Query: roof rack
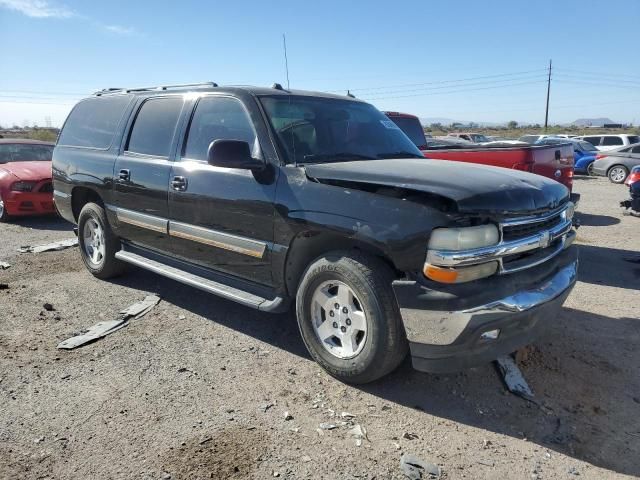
154	88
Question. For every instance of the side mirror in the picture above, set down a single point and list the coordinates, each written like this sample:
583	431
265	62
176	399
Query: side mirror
232	154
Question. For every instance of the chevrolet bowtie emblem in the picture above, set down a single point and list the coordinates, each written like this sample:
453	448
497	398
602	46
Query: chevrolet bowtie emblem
545	239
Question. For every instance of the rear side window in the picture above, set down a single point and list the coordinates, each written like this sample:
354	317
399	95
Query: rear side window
218	118
592	140
587	147
636	149
634	139
93	122
612	141
153	128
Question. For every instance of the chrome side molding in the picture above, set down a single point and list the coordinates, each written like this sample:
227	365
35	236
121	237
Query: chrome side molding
142	220
226	241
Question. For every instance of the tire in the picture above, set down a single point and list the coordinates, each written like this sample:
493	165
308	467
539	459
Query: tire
382	344
590	170
4	216
618	173
98	245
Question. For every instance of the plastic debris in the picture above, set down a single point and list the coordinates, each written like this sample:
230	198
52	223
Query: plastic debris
415	468
4	265
359	433
99	330
288	416
102	329
513	378
139	309
50	247
327	426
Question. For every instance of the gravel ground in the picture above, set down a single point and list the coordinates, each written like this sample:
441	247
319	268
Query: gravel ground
199	387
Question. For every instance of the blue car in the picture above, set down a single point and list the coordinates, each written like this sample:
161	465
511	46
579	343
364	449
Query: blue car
584	152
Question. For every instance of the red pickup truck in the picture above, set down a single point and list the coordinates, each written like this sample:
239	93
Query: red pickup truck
552	161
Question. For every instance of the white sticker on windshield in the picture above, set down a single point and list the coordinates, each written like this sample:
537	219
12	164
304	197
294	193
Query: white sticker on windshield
389	124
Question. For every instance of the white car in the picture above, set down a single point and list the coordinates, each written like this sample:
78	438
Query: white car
610	142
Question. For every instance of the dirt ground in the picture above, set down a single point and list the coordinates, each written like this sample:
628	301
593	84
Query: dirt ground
199	387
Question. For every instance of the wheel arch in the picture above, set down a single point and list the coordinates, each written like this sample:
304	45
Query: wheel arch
311	244
80	196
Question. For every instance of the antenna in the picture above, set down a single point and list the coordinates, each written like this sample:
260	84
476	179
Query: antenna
286	61
546	114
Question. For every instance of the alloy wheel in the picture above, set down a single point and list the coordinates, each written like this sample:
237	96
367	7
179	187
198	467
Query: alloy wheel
338	319
617	174
93	244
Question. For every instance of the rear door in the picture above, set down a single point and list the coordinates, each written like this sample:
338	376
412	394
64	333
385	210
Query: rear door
142	172
221	218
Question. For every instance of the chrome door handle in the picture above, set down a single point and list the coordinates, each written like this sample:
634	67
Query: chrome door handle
179	183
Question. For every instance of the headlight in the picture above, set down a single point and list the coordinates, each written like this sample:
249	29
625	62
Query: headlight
23	186
466	238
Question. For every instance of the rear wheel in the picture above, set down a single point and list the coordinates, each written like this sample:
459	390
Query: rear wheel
618	173
348	317
4	216
98	244
590	170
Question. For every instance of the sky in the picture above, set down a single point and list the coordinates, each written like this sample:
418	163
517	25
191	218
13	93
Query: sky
462	60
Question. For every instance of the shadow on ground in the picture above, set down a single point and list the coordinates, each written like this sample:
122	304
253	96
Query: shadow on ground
609	266
47	222
590	220
584	372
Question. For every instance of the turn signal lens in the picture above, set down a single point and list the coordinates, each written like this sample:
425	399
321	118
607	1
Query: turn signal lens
461	274
464	238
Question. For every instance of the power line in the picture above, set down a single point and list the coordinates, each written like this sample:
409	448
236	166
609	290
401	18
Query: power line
444	87
599	74
362	89
456	91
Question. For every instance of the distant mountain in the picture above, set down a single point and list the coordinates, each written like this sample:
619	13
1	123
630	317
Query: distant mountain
448	121
595	122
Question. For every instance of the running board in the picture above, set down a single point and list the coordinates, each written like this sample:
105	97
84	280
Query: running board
276	304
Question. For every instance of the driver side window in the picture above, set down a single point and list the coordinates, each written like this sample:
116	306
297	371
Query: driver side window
218	118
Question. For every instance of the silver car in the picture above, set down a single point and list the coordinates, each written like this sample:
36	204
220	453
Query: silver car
616	164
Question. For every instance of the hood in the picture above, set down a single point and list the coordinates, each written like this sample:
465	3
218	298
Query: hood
474	188
28	170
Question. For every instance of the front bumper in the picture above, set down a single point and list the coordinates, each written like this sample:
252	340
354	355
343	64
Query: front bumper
445	324
28	203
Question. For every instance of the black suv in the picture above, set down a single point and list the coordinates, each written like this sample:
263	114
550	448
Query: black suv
269	197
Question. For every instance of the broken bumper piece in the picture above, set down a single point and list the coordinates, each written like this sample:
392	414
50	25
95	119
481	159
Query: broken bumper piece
451	328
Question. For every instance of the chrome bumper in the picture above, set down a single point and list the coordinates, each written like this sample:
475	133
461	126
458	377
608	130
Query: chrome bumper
446	332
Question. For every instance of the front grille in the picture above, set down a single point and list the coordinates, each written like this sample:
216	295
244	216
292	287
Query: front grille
515	232
46	188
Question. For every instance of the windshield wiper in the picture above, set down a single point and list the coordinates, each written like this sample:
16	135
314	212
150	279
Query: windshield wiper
400	155
336	157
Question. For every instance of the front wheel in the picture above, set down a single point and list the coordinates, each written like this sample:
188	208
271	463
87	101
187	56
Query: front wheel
618	173
98	244
348	317
590	170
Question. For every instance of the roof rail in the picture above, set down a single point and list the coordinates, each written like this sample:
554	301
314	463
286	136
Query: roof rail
154	88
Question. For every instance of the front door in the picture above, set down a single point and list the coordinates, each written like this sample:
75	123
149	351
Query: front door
221	218
142	173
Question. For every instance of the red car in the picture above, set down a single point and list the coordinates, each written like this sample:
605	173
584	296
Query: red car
552	161
25	178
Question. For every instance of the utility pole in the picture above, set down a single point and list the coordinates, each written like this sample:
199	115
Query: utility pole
546	115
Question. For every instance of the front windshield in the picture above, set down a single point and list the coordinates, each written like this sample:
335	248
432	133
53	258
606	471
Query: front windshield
319	130
24	152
